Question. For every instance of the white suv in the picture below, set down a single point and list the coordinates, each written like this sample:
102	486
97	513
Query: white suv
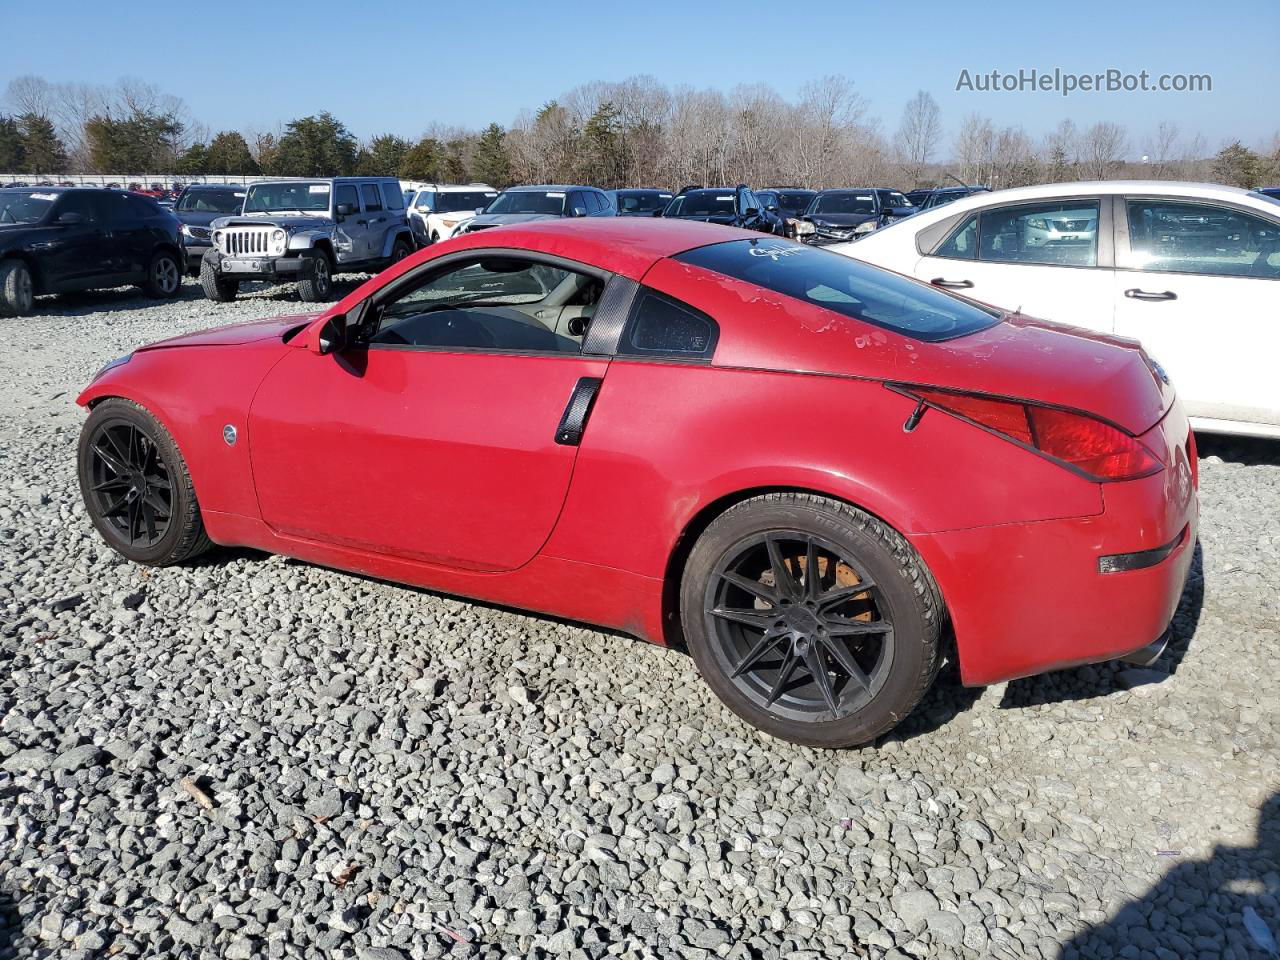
438	209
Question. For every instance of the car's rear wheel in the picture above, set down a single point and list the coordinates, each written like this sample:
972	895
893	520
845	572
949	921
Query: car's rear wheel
316	285
17	292
136	486
827	660
400	250
216	287
164	276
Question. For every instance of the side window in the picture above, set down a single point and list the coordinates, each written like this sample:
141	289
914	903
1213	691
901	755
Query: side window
115	209
578	199
346	193
141	208
497	303
963	242
78	203
1064	233
660	326
1170	236
372	201
599	202
392	195
425	200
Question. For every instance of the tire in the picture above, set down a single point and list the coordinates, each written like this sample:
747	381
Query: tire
316	286
136	486
17	292
164	276
216	287
778	625
435	237
400	249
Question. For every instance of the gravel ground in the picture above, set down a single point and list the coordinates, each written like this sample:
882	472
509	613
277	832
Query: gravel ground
250	757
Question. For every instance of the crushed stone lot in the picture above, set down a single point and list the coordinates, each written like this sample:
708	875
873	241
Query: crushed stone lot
252	757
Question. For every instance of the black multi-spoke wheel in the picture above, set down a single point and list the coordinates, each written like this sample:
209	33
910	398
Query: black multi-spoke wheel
136	486
811	619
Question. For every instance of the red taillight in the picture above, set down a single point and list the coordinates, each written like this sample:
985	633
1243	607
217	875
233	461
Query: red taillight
1078	441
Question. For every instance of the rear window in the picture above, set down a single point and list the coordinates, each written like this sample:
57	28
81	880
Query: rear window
844	285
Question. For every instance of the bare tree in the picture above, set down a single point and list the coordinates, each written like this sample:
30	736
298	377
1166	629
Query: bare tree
1102	149
1062	153
975	148
31	94
918	136
1161	150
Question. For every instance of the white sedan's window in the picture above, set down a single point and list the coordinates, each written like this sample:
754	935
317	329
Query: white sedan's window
1063	233
1169	236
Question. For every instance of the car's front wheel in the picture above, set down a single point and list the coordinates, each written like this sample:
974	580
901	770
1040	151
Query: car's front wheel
811	619
136	486
17	292
216	287
316	285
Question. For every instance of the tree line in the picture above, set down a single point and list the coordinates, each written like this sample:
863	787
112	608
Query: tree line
637	132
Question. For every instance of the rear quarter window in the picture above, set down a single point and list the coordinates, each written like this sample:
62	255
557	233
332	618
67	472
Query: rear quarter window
662	327
846	286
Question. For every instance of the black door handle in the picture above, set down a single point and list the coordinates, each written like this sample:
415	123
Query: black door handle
1133	293
576	411
960	284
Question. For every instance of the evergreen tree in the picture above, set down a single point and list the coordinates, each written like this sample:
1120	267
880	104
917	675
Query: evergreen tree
229	154
10	146
382	157
42	151
492	163
1237	166
319	146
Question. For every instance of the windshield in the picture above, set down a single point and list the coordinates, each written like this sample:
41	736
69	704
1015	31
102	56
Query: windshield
794	201
287	195
24	206
528	201
844	203
641	201
211	201
458	202
846	286
702	203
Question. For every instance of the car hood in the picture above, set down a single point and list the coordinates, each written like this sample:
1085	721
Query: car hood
288	221
236	333
842	219
506	219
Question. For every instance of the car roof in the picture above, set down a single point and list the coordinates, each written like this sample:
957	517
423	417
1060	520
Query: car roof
553	186
461	188
625	245
639	190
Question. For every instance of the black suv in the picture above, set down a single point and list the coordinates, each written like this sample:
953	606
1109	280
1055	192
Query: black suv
895	203
640	201
196	208
57	240
945	195
731	206
789	203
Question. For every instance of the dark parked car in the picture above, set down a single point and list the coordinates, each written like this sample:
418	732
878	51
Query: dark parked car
198	206
640	201
546	202
56	240
917	197
789	203
895	203
942	195
729	206
1272	192
842	214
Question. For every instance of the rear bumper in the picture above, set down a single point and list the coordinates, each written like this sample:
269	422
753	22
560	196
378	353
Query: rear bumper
1025	598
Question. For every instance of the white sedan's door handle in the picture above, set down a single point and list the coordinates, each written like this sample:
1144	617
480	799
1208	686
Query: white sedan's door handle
958	284
1133	293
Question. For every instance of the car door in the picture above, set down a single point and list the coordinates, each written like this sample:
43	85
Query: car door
436	437
1050	259
372	222
393	208
78	254
1199	283
349	227
126	234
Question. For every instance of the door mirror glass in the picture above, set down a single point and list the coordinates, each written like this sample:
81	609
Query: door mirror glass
579	211
479	210
71	217
345	209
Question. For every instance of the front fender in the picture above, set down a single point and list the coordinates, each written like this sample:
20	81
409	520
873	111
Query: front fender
195	392
308	239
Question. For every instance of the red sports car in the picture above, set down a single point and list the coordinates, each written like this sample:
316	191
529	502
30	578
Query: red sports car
819	476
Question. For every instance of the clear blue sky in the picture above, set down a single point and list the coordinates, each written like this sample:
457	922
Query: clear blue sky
396	67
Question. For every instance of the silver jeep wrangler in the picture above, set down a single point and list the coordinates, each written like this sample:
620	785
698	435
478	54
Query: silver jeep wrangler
305	231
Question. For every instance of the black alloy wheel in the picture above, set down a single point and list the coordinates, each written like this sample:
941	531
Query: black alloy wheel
798	626
130	486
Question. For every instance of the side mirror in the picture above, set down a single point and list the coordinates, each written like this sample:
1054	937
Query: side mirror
334	336
772	208
479	210
659	211
345	209
579	211
751	212
71	218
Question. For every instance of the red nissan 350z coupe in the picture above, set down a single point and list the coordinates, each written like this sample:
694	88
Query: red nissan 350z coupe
818	475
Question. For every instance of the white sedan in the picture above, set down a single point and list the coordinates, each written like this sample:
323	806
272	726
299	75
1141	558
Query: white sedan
1191	270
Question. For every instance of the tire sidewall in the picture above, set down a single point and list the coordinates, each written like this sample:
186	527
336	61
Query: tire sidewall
11	272
153	284
915	635
111	412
